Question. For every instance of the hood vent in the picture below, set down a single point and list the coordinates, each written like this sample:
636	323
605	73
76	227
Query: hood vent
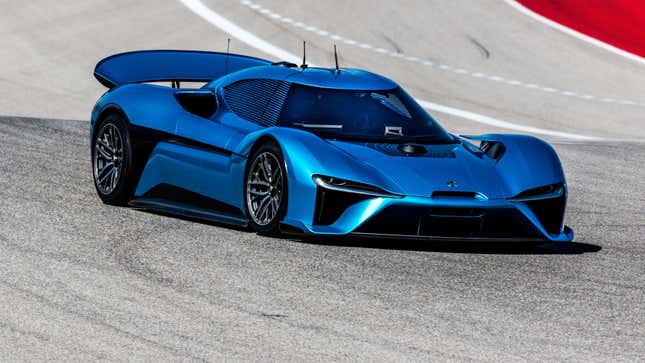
412	149
428	151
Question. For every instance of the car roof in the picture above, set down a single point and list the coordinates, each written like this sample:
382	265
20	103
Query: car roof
345	78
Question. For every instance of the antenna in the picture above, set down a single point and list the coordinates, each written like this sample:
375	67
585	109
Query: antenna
228	48
304	55
336	58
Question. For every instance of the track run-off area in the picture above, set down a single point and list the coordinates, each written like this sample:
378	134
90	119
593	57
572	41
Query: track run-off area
83	281
615	26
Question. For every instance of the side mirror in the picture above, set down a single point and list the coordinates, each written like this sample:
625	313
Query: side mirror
200	102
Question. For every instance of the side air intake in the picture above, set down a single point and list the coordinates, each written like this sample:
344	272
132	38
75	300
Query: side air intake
198	102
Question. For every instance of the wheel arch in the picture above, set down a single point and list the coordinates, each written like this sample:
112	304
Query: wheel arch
250	147
266	138
106	111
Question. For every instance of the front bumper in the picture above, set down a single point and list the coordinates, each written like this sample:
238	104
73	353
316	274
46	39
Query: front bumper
454	218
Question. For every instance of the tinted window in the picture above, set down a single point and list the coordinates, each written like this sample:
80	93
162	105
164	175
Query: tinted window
390	115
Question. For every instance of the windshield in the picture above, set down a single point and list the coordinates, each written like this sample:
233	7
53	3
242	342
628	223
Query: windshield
376	116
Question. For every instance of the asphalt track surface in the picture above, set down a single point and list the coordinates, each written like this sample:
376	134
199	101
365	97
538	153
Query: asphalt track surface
83	281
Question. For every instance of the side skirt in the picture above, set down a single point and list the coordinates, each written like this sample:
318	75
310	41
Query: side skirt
169	199
188	211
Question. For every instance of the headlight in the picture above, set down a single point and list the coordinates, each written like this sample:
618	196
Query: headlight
543	192
347	186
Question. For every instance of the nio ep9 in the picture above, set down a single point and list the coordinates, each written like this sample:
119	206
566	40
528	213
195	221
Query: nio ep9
314	151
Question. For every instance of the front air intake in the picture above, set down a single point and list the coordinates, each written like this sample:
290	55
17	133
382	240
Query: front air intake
331	204
547	203
550	212
404	221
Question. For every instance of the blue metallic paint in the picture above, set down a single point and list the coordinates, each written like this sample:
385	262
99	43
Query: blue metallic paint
307	155
353	79
527	163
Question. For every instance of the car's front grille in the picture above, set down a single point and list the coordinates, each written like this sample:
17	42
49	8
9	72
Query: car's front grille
450	222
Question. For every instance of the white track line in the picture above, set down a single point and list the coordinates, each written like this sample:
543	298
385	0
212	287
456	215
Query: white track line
585	38
198	7
268	13
234	30
502	124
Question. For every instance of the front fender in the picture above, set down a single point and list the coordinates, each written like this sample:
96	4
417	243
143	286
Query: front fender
306	154
527	163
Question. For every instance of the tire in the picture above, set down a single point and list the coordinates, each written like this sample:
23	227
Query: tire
112	160
265	189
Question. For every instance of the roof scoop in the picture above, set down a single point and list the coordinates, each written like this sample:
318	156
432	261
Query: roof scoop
412	149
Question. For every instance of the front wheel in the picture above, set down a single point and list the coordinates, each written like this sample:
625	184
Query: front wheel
265	191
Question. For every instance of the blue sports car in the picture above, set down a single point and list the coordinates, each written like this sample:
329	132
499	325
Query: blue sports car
284	148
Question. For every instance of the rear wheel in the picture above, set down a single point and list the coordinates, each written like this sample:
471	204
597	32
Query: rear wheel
112	160
265	192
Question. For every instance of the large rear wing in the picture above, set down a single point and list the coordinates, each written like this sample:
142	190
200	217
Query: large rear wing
170	65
